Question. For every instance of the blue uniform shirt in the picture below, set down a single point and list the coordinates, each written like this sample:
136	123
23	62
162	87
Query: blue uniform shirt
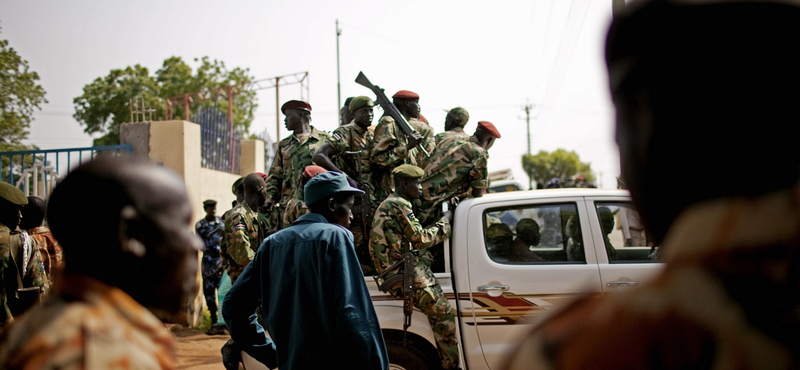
314	301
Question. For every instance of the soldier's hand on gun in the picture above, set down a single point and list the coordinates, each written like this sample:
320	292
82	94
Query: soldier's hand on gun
413	140
267	206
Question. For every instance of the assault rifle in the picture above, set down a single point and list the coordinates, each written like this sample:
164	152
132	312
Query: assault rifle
405	276
390	109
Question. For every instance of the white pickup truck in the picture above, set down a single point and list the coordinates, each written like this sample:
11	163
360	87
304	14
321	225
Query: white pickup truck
583	248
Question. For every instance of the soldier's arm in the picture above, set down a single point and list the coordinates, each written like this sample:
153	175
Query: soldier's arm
421	237
275	179
480	174
387	151
238	240
323	157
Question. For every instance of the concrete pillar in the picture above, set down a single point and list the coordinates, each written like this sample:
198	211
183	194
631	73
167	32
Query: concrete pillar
251	158
176	145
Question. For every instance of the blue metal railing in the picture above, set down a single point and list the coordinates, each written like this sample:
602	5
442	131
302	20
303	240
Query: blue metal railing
56	161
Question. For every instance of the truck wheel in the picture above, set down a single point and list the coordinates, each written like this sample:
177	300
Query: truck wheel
409	357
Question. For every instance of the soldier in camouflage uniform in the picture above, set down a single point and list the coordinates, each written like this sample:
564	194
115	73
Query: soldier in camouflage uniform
457	170
350	146
393	147
395	231
23	280
244	229
294	154
454	124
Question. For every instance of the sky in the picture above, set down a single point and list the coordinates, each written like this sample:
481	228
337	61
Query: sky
491	58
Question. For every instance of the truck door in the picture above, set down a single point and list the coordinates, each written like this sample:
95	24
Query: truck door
523	258
625	253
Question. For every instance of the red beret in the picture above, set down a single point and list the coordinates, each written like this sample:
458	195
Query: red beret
405	94
295	104
313	170
488	128
263	175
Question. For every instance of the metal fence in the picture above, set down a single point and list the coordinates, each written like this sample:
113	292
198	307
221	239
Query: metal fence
35	172
220	148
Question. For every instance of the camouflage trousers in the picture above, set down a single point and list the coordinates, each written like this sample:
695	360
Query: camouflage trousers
431	301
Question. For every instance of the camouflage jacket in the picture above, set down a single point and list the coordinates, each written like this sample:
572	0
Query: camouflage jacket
444	139
456	167
16	248
88	325
285	180
49	249
395	225
244	231
390	150
352	138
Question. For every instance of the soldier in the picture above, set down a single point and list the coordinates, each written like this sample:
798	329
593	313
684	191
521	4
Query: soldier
454	123
395	232
345	115
22	271
244	229
139	257
350	146
211	228
457	171
33	223
293	155
296	207
393	147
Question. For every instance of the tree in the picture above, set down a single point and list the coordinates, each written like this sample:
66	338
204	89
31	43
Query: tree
560	164
105	103
20	95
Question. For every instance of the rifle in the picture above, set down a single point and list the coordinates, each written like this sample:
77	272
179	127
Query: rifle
390	109
405	277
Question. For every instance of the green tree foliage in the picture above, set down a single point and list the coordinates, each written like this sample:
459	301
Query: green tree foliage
20	95
105	103
561	164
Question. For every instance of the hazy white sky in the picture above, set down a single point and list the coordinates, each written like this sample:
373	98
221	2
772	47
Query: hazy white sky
488	57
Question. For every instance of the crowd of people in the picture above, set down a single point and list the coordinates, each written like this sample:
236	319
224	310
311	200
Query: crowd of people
455	167
337	206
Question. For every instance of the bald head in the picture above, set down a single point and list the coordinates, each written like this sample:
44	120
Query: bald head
254	190
134	216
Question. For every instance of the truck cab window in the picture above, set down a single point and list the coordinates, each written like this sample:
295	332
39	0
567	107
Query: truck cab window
536	234
623	234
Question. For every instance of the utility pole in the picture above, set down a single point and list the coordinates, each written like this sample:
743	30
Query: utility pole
527	109
338	84
276	82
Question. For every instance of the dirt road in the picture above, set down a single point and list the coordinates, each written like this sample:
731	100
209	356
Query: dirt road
198	351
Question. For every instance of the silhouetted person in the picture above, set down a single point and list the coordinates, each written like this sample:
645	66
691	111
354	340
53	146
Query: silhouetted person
139	255
699	86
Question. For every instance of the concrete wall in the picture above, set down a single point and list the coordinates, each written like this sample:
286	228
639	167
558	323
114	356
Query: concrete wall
176	145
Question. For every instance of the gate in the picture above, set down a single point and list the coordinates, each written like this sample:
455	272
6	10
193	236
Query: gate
36	172
219	147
